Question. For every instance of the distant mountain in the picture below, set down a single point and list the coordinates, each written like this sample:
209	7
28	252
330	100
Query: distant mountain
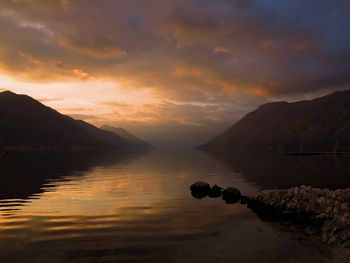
26	122
319	124
132	139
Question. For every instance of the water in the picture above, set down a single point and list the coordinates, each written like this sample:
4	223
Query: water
103	207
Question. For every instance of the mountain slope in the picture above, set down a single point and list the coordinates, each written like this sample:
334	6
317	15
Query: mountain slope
316	124
25	121
132	139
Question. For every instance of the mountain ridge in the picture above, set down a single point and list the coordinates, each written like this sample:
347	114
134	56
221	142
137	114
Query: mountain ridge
316	124
26	121
131	138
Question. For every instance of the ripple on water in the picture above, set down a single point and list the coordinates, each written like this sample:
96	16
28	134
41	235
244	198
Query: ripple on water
135	211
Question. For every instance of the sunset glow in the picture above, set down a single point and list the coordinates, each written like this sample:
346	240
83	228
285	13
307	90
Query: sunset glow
151	63
174	131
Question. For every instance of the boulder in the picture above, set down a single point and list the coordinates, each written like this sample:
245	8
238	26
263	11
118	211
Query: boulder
200	189
231	195
215	191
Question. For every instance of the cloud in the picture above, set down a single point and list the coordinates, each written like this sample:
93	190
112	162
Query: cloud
231	54
85	117
221	49
99	47
81	74
46	100
67	5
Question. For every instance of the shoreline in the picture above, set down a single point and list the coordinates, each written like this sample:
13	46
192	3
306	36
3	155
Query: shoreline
327	209
323	213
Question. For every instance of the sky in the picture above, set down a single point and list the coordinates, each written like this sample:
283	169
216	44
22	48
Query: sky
172	69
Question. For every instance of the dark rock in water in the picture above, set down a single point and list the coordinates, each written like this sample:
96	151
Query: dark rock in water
244	200
215	191
231	195
198	195
200	186
200	190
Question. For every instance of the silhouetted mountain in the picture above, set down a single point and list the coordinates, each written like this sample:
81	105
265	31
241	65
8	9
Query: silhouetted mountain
317	124
132	139
25	121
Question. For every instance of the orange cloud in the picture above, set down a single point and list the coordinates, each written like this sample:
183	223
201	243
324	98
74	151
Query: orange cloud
81	74
100	48
221	49
150	51
67	5
187	72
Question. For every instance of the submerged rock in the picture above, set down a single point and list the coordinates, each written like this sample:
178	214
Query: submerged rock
231	195
215	191
200	189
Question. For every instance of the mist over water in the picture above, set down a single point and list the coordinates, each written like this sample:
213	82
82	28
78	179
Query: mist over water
104	207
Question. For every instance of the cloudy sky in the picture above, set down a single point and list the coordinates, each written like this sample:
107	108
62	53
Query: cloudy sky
158	65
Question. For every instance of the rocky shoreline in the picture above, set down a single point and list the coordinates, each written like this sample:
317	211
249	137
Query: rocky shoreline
330	210
327	210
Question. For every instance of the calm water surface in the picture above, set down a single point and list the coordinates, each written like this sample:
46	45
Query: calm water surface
105	208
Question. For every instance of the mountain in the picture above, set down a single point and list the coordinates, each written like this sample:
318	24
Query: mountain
25	121
317	124
132	139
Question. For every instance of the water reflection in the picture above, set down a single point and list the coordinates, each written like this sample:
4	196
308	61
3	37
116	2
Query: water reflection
275	170
113	208
24	173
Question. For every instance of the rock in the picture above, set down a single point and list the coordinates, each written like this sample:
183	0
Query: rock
200	186
319	219
321	200
198	195
200	189
231	195
244	200
344	207
215	191
336	211
346	244
322	207
329	210
332	240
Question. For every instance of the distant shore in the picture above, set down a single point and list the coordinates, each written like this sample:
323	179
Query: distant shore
317	153
66	148
43	147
